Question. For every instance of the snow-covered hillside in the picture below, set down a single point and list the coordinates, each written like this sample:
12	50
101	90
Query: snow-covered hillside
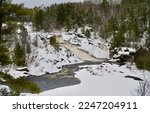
44	59
93	45
102	77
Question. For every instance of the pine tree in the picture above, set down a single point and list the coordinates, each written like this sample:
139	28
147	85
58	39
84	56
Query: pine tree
28	48
10	13
119	38
19	55
113	25
3	9
136	30
38	18
105	7
4	55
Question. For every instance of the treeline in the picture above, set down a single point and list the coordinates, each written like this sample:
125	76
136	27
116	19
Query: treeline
127	24
68	16
127	2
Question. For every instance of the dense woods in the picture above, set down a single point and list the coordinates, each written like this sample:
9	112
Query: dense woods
126	24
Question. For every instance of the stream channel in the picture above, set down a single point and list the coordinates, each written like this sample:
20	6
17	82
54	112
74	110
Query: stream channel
65	77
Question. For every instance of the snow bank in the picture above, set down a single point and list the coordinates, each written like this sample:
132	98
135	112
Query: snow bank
102	80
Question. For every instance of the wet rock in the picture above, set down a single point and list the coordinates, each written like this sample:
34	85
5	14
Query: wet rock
121	72
80	36
123	54
23	69
47	73
90	43
26	73
58	67
135	78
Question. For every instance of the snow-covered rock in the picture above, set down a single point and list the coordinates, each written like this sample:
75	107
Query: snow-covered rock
123	54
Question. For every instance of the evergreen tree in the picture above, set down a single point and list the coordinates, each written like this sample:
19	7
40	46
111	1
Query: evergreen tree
113	25
4	55
19	55
119	38
88	33
10	13
4	7
142	57
28	48
136	30
38	19
105	7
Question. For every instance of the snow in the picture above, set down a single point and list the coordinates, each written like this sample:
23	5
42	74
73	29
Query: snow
96	80
94	46
45	59
80	54
3	80
13	72
18	31
123	51
101	80
94	49
45	56
4	87
49	60
4	25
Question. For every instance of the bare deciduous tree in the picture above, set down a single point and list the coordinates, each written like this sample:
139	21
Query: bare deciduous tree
143	89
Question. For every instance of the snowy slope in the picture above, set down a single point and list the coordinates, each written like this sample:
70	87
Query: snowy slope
45	59
93	45
96	80
49	60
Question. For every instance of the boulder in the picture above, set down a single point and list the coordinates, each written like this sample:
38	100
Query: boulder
23	69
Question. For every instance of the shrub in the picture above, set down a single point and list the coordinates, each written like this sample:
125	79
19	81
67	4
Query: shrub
20	84
142	57
54	42
23	85
5	92
143	89
19	55
88	33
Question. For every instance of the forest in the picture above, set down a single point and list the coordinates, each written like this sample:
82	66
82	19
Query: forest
126	24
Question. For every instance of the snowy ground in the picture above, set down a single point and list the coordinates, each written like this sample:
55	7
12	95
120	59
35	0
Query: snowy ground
102	80
3	87
96	80
45	59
